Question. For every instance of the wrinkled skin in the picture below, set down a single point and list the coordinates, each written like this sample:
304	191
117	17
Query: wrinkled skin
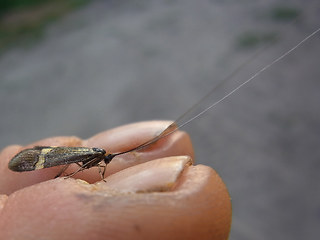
146	195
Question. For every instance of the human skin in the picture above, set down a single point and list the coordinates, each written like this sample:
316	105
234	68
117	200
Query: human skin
156	193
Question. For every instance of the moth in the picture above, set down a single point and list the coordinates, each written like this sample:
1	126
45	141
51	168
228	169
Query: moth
48	156
40	157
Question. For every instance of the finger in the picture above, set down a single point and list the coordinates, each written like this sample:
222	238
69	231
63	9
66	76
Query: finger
132	135
184	202
119	139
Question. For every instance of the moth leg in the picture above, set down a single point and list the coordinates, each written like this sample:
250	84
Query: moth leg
82	167
71	174
62	170
104	171
101	173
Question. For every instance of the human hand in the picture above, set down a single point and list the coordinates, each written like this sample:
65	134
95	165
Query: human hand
166	198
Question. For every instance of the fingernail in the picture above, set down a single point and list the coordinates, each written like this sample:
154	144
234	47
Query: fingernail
154	176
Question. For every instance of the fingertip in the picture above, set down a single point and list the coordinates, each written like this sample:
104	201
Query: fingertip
206	191
154	176
121	138
132	135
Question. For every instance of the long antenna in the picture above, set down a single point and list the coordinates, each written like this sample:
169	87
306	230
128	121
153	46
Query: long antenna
175	125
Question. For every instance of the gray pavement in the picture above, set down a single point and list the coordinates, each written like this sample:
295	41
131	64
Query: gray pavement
115	62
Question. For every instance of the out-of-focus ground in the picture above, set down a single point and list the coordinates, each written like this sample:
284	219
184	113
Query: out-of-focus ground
115	62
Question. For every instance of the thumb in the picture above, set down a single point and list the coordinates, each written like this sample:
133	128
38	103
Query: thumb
162	199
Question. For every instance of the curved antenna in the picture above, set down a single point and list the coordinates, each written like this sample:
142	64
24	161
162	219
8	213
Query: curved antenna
176	125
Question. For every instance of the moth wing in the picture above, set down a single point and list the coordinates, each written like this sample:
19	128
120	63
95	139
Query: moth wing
25	160
66	155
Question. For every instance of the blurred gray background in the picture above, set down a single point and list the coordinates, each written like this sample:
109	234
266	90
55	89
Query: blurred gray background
115	62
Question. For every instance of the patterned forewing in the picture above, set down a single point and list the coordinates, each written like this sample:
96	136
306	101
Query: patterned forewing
66	155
